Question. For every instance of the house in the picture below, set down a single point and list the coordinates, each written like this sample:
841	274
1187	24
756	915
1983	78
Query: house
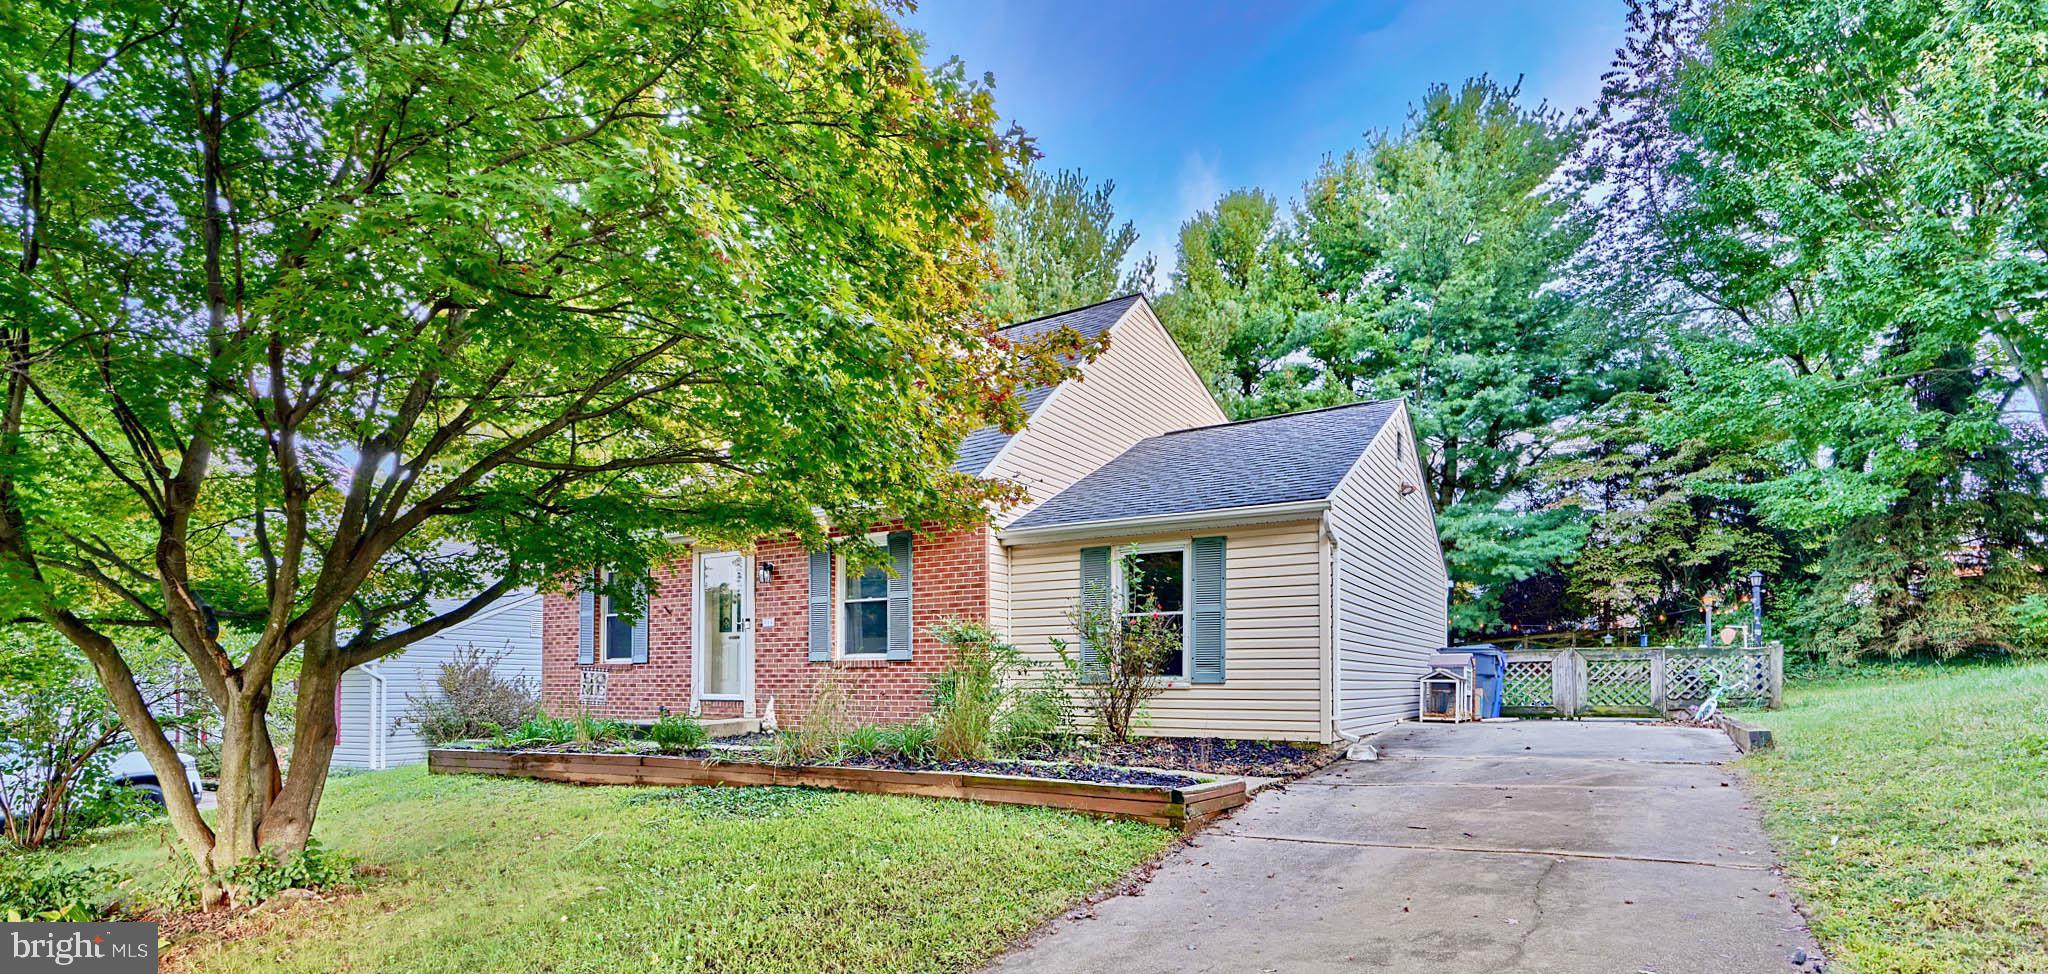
373	699
1306	554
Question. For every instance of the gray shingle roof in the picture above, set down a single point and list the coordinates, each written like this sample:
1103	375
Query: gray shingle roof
982	445
1269	460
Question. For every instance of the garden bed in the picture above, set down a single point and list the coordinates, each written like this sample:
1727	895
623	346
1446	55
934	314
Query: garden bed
1213	755
1180	806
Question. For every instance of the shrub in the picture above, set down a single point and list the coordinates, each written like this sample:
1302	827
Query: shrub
990	699
968	693
262	877
816	737
1129	652
678	732
474	699
32	891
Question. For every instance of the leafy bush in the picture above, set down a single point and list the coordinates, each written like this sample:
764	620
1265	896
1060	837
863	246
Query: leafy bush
262	877
990	699
474	700
47	891
678	732
1130	652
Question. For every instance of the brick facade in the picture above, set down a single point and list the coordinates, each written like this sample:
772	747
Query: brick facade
949	580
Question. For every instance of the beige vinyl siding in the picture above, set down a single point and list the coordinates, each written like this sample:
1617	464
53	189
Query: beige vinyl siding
1141	386
1389	581
998	561
1274	664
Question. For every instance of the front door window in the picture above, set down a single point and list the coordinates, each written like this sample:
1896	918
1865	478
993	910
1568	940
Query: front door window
723	611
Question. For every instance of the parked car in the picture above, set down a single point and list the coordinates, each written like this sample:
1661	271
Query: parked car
128	769
132	770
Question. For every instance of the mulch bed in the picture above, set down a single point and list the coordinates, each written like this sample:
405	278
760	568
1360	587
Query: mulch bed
1096	773
1211	755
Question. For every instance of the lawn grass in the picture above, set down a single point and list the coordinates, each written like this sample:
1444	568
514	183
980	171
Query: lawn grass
1912	810
495	874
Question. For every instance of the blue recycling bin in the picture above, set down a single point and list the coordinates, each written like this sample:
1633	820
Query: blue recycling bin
1489	667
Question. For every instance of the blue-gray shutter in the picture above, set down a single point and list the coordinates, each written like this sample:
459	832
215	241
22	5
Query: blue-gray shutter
640	625
1207	643
1094	604
821	606
586	621
899	595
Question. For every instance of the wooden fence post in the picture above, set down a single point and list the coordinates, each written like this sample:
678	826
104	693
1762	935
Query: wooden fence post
1566	686
1657	684
1777	678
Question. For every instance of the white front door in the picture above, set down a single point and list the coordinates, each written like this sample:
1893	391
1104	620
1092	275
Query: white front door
725	629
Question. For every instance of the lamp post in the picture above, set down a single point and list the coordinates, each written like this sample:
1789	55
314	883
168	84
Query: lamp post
1707	604
1756	606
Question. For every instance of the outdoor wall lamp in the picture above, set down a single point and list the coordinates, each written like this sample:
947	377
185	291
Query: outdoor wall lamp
766	572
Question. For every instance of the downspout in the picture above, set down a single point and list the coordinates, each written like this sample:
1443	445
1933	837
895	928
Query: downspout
378	727
1333	702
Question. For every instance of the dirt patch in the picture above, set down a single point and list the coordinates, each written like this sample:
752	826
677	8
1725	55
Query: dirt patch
1212	755
1097	773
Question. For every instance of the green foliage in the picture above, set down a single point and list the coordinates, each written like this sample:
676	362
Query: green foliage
1059	247
1436	264
678	732
916	741
540	729
588	730
312	868
474	700
1239	303
865	741
1860	297
47	891
1129	656
397	297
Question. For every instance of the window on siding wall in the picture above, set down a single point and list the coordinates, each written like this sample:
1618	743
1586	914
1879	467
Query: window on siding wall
616	631
1156	584
864	611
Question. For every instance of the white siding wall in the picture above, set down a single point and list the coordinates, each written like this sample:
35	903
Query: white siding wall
1142	386
508	628
1275	669
1389	581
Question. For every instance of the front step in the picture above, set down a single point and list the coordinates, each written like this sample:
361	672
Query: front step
732	726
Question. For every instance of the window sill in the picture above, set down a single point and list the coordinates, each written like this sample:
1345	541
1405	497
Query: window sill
732	697
863	662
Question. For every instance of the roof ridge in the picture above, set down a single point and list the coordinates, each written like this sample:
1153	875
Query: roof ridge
1062	314
1298	412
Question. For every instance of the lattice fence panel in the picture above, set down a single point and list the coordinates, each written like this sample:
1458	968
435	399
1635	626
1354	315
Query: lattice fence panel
1618	683
1526	683
1742	679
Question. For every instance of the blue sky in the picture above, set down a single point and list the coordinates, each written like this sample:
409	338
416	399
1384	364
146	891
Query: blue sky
1178	102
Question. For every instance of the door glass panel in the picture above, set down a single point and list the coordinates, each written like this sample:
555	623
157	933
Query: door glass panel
724	625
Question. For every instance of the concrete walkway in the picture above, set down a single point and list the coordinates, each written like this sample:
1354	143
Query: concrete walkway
1540	846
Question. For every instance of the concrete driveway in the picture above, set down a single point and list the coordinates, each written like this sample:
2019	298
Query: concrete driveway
1574	847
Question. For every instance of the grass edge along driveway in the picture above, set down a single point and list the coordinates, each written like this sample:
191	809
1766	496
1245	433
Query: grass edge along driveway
1912	811
510	875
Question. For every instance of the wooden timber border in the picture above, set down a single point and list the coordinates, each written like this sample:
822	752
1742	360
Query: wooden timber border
1181	808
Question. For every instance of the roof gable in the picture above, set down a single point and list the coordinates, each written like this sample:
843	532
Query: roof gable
1280	459
980	447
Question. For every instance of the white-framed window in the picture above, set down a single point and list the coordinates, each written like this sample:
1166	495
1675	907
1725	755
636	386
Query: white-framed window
1153	581
863	607
615	629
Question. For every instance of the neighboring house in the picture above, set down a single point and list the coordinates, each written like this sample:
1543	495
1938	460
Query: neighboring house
728	633
371	705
